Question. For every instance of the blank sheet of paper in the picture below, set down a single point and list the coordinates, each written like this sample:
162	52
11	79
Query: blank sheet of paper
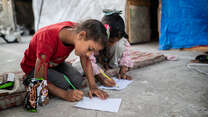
120	84
110	104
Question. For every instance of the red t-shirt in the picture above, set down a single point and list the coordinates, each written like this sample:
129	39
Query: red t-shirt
46	42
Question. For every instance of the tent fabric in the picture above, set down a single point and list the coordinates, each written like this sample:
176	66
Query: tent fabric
48	12
184	24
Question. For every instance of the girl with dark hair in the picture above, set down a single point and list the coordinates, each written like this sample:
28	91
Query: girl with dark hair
51	45
116	53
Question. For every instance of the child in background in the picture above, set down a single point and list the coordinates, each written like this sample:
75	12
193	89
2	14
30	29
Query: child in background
116	54
51	45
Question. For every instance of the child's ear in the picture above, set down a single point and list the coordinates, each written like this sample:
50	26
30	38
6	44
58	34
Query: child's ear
82	34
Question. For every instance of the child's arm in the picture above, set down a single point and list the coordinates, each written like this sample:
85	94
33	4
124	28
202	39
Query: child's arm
87	67
96	70
40	69
125	63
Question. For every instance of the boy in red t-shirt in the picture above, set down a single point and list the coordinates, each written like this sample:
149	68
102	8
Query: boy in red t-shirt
51	45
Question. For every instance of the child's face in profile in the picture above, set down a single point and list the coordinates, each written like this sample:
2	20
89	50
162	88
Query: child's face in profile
86	47
112	41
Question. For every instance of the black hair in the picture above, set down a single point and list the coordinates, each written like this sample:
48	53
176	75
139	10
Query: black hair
117	25
95	31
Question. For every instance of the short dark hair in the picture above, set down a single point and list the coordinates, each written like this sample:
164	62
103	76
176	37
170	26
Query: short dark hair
95	31
117	25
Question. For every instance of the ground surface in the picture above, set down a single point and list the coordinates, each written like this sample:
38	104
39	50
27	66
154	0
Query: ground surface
167	89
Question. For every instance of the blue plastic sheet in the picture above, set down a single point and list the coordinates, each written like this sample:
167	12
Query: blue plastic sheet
184	24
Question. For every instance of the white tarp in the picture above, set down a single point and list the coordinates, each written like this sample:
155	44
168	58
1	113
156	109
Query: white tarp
54	11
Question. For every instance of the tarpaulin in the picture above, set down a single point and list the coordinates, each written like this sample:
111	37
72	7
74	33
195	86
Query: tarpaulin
184	24
48	12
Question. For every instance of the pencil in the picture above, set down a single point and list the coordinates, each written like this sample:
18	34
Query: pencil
106	76
66	78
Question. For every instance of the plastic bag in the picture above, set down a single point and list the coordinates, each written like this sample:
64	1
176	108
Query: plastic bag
37	94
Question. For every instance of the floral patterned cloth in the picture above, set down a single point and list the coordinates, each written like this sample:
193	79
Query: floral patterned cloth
126	58
95	66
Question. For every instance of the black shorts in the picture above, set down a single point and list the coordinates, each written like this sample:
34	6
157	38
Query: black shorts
56	76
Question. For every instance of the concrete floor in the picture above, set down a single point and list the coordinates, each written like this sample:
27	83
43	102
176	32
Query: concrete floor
167	89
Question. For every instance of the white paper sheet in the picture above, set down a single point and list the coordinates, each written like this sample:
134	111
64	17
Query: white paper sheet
120	84
109	105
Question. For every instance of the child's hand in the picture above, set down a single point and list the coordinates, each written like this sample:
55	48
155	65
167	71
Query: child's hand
122	73
99	93
74	95
104	81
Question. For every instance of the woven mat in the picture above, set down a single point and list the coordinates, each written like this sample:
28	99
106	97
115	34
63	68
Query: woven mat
141	59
